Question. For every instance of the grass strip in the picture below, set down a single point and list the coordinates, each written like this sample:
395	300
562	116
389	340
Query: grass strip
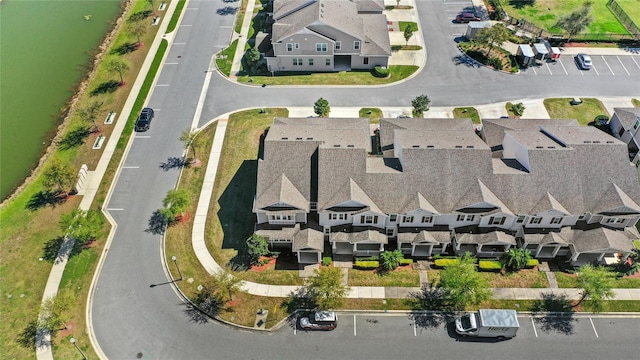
397	73
404	24
561	108
374	114
224	61
467	112
176	16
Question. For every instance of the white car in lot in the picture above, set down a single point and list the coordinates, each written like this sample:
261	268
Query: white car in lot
319	320
584	61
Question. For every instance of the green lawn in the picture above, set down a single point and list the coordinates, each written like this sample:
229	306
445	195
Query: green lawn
569	281
374	114
632	8
467	112
405	47
560	108
400	277
398	72
545	14
225	58
404	24
636	244
635	102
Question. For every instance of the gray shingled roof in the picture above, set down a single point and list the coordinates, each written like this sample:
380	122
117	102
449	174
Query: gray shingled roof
416	236
493	129
600	240
627	116
549	238
355	236
369	5
376	36
308	239
494	237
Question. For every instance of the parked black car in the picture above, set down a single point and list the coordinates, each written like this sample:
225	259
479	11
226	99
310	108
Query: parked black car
144	119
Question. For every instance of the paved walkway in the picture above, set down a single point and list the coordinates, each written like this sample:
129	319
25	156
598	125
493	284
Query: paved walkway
242	39
374	292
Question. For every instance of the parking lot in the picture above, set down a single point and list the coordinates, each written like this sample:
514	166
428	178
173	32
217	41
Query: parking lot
603	65
435	328
456	7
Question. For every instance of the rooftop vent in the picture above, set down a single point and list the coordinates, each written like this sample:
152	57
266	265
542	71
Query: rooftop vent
539	147
285	138
298	138
430	146
609	141
309	138
587	141
337	145
350	146
551	147
596	141
469	146
416	146
458	146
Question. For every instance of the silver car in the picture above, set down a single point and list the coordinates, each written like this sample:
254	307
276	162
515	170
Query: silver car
584	61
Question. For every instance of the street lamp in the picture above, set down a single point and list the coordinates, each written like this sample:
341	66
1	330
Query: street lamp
175	261
73	341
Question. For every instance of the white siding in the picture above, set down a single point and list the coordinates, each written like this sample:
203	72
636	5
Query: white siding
512	149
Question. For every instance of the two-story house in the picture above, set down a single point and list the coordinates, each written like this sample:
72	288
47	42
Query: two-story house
328	35
434	187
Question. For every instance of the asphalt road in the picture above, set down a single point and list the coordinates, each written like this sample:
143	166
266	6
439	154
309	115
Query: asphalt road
130	316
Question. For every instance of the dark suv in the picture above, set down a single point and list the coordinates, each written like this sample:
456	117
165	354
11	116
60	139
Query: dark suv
144	120
466	17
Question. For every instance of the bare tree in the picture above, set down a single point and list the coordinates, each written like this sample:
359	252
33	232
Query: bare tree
119	66
576	21
89	113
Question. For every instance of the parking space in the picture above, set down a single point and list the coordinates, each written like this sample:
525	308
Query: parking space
454	8
603	65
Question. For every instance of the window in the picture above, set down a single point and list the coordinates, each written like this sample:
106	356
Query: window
556	220
535	220
297	62
466	217
497	220
321	47
289	47
427	219
582	217
281	217
393	217
365	61
297	46
311	62
636	124
356	45
621	132
342	216
338	45
520	219
333	216
408	219
327	62
369	219
327	230
615	220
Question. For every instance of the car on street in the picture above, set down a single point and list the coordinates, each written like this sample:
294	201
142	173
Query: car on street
144	119
319	320
466	17
584	61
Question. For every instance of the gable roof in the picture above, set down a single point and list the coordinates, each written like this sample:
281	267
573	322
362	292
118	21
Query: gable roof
614	199
600	239
493	130
627	116
485	238
424	236
284	192
548	202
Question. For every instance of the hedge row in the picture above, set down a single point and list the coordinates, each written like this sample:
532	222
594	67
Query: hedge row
404	262
490	265
532	263
446	262
367	265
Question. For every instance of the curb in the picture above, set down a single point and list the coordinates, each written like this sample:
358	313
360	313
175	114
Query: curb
486	66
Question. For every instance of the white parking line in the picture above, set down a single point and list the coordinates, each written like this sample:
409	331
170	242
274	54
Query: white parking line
192	8
563	68
548	68
634	61
162	85
606	63
534	69
354	325
185	25
594	69
534	327
171	63
295	330
143	136
415	332
178	43
625	69
594	328
115	209
131	167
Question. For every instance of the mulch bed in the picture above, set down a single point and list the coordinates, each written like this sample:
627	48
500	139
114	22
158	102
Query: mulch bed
270	265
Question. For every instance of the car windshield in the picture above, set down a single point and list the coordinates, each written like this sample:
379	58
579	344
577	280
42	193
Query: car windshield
466	322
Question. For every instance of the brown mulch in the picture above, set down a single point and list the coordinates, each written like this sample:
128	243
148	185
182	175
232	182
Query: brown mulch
270	265
68	330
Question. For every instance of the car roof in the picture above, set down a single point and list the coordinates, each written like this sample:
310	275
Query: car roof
325	316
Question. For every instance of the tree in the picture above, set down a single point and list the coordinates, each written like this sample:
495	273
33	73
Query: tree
90	112
408	33
576	21
325	288
257	247
152	3
252	57
173	204
84	226
138	28
517	109
224	285
55	312
119	66
517	259
595	285
420	105
59	175
321	107
495	35
190	140
391	259
463	285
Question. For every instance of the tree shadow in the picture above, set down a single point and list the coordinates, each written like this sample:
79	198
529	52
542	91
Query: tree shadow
435	300
172	163
106	87
27	337
140	15
556	313
465	60
125	48
235	214
74	138
227	10
156	223
45	198
297	300
207	306
51	248
520	4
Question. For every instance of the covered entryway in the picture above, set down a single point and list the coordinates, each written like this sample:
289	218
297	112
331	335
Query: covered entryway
342	63
309	256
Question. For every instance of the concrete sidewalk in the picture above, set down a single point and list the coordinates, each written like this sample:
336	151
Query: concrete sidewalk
242	39
359	292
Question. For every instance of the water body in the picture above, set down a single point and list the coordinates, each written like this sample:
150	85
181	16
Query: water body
44	45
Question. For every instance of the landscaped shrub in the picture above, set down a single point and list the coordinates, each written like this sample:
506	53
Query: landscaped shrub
516	259
490	265
601	119
380	71
495	63
391	259
446	262
405	262
367	265
326	261
370	258
531	263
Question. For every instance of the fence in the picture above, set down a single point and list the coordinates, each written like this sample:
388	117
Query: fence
626	21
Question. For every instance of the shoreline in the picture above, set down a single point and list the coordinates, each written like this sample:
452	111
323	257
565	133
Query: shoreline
70	104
